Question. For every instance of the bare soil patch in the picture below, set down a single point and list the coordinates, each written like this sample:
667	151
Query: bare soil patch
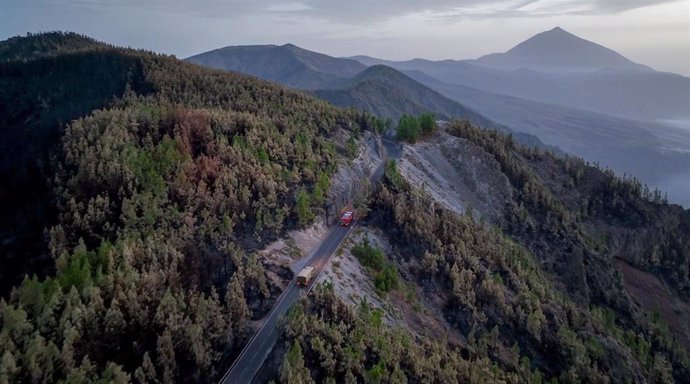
653	295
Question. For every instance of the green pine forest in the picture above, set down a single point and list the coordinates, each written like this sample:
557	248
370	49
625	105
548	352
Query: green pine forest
160	192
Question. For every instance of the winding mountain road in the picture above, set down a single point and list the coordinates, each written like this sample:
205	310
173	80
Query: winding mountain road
259	347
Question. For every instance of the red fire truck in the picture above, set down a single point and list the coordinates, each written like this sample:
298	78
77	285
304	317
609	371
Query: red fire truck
347	218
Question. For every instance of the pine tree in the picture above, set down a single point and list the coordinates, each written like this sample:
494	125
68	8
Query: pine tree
305	215
217	326
114	374
166	357
8	368
351	147
169	313
427	123
255	276
67	354
236	304
293	370
40	359
146	373
114	322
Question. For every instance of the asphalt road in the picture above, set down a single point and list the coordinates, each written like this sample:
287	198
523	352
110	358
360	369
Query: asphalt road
259	347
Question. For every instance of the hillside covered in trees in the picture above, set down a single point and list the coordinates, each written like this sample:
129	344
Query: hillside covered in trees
534	296
541	288
537	294
157	179
139	188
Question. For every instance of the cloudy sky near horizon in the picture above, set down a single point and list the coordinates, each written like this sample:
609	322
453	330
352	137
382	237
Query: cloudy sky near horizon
651	32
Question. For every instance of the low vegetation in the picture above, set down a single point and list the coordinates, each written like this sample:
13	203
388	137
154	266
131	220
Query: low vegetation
385	273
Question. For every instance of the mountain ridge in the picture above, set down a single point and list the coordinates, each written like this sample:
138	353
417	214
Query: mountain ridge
286	64
627	90
381	90
51	43
402	86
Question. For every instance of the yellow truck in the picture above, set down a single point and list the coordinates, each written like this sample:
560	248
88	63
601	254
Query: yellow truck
304	277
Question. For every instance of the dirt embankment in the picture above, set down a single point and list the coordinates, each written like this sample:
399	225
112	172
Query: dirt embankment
352	282
655	297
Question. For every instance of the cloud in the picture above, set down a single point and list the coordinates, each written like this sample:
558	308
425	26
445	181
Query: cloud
540	8
367	11
288	7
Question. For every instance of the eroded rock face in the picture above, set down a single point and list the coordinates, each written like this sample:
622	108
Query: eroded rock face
352	178
458	175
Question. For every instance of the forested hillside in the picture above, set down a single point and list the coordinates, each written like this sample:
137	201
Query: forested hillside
535	296
543	281
160	192
33	46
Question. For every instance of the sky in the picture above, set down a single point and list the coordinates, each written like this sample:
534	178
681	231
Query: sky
651	32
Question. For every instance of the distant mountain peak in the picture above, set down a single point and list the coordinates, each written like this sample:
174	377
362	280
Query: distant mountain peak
556	40
558	50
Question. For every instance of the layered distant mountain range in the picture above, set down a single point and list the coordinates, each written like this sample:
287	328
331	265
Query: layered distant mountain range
571	93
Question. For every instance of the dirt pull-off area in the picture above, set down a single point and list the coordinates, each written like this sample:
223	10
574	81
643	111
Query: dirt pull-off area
292	252
653	296
457	174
